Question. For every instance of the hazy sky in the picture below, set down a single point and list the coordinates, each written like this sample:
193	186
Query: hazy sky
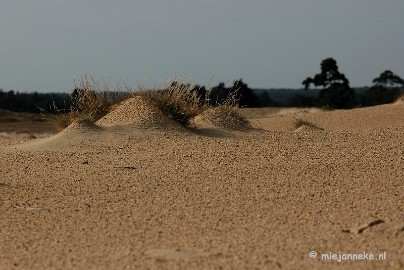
46	44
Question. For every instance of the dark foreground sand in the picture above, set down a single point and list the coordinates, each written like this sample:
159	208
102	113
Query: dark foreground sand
124	194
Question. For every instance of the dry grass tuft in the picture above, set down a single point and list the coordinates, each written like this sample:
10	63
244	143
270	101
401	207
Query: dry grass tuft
178	101
181	102
90	101
228	115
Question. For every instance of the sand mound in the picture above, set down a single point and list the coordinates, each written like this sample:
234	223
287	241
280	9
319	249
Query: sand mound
204	127
227	118
133	116
360	119
308	128
81	132
305	126
399	101
297	111
138	112
80	126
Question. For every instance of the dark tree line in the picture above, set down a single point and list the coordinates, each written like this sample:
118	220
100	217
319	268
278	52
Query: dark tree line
37	102
220	94
335	92
32	102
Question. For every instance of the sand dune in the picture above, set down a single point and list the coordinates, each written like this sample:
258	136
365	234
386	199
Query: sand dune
383	116
140	113
136	190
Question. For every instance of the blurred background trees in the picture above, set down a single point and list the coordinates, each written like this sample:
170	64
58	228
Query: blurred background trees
243	95
331	90
386	89
336	92
31	102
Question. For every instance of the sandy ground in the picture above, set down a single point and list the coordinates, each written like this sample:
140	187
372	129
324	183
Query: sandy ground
137	191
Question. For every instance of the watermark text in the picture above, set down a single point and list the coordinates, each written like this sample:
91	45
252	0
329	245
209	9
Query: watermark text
345	256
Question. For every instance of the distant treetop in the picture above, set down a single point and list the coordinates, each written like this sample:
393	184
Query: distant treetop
336	92
329	75
388	79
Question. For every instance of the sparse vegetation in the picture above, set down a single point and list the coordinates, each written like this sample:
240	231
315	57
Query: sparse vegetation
182	102
178	101
89	101
228	117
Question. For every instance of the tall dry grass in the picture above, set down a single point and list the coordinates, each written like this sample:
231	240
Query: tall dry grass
90	101
227	115
182	102
178	101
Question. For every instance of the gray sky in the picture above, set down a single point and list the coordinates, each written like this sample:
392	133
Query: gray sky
47	44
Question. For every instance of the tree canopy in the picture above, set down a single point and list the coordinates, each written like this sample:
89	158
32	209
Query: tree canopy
244	95
328	76
336	91
388	79
386	89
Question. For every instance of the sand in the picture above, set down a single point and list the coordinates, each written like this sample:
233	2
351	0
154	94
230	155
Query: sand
137	191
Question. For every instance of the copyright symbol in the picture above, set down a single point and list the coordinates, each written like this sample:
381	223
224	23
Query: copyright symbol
312	254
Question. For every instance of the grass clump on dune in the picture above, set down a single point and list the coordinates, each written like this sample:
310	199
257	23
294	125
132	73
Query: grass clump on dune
181	102
227	115
89	102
